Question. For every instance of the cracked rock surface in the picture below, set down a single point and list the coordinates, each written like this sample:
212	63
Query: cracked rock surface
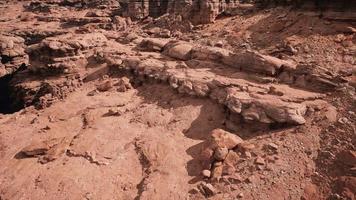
107	99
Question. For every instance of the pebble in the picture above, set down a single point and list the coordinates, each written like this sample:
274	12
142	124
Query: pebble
206	173
343	120
273	146
221	153
248	154
208	189
259	161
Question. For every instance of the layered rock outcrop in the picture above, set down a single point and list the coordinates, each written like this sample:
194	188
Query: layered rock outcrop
199	11
12	54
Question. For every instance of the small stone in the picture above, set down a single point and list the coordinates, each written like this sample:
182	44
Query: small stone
234	187
194	191
251	179
343	120
221	153
114	112
92	93
353	169
107	85
217	172
260	167
51	118
124	84
206	173
219	44
259	161
208	189
235	178
228	170
331	114
272	146
240	195
247	154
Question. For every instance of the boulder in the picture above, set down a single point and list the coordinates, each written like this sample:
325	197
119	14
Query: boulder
179	50
221	138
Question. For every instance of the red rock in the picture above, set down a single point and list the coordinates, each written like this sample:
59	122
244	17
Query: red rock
221	138
107	85
259	161
207	189
206	173
246	146
220	153
232	158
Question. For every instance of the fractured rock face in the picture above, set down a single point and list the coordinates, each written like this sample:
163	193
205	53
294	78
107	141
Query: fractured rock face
12	54
198	12
63	54
266	110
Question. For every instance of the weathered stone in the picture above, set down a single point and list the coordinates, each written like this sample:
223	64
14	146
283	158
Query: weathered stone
207	189
217	172
220	153
210	53
105	86
259	161
63	54
265	109
256	62
206	173
272	146
124	84
231	159
221	138
153	44
178	50
12	54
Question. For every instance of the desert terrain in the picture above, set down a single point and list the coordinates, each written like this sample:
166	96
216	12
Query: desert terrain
177	99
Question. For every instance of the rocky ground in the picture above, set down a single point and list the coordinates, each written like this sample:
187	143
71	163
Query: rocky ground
259	103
